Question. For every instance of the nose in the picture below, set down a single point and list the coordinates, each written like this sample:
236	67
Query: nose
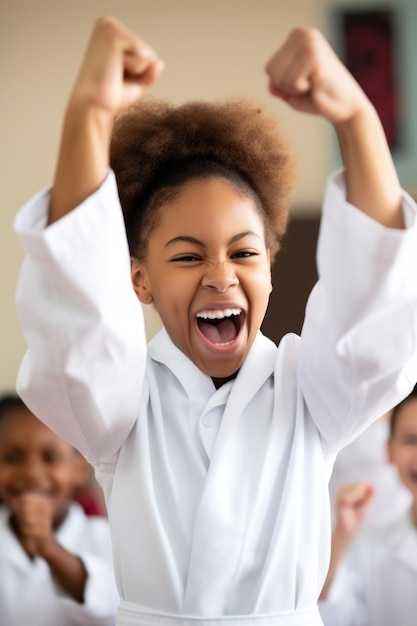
31	471
220	277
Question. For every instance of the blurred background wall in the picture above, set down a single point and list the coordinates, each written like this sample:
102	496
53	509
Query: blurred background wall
211	49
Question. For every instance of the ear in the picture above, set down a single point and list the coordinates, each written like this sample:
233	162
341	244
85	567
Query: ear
140	281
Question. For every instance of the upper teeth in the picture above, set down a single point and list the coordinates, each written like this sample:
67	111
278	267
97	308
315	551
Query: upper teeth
215	314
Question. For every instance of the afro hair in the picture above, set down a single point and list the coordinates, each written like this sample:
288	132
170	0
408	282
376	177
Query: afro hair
154	137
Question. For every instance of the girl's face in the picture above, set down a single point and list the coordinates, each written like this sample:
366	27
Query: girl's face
208	272
402	447
35	461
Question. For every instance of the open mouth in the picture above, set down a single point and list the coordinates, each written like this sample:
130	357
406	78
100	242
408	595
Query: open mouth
220	326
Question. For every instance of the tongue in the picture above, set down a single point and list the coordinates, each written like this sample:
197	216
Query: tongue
222	332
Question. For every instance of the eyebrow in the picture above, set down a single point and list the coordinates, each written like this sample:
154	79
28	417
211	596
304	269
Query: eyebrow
198	242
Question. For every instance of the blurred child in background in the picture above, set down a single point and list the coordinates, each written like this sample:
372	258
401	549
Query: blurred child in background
55	562
372	579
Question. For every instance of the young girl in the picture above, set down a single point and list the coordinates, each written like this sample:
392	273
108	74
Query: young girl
373	577
213	446
55	562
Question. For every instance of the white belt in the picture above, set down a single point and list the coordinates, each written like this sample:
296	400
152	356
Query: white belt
130	615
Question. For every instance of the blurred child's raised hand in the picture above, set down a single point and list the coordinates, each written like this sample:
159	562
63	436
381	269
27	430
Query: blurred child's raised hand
34	515
118	67
308	75
353	506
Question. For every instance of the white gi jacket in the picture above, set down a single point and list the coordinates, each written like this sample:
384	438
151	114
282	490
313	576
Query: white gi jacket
29	596
217	499
376	584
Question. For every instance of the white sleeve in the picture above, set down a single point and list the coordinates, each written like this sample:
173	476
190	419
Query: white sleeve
358	350
83	370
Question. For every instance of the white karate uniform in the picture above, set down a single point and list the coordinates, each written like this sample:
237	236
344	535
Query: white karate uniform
217	499
29	596
376	584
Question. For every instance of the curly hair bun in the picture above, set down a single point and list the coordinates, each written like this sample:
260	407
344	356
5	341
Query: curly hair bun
236	132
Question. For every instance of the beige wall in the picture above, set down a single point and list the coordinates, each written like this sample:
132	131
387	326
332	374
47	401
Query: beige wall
211	49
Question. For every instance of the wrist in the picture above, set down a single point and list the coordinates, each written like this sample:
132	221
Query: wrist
84	118
359	124
46	548
343	536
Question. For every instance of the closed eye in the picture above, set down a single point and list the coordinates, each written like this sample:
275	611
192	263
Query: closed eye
186	258
52	458
12	458
244	254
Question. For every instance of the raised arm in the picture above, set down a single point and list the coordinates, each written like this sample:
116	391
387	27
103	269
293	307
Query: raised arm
117	68
308	75
58	291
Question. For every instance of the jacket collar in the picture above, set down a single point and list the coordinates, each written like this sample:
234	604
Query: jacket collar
258	366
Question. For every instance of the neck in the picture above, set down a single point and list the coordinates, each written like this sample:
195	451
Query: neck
218	382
